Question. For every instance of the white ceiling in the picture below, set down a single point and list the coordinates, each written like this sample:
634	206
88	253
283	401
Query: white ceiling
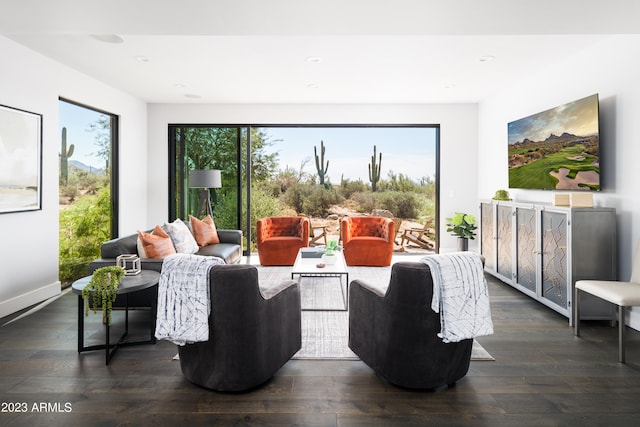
257	51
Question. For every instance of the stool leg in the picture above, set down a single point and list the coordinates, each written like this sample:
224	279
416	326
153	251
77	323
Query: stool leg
576	311
621	333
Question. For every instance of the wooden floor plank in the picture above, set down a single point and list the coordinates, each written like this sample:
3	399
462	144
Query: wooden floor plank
542	375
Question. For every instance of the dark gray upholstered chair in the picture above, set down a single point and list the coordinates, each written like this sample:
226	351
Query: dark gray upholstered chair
396	333
252	334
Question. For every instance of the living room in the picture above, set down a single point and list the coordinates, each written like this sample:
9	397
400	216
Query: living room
473	138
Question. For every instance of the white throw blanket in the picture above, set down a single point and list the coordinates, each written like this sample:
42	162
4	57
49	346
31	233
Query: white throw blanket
183	298
460	295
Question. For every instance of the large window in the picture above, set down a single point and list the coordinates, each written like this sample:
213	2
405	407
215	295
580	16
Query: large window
87	185
323	172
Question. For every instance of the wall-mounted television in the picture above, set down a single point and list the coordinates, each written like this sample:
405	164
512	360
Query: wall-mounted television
557	149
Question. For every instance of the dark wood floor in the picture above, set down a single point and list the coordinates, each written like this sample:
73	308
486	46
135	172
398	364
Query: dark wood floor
542	375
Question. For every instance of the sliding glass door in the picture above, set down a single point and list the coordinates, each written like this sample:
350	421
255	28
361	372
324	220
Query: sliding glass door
323	172
195	147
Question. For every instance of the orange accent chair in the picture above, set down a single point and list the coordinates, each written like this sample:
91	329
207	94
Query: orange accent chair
280	238
367	240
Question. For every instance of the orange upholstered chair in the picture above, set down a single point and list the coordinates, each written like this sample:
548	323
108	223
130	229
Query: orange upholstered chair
367	240
280	238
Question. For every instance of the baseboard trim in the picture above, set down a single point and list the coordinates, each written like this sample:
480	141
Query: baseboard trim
28	299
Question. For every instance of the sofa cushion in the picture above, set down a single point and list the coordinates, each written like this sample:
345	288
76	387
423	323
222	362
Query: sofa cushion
181	236
156	244
204	231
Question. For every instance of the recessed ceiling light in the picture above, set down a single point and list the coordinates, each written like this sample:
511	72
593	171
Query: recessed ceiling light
487	58
141	58
192	96
312	86
314	59
180	85
449	86
108	38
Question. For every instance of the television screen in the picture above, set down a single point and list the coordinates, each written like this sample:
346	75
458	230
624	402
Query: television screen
557	149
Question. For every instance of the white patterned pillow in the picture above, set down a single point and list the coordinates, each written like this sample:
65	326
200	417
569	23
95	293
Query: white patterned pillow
182	238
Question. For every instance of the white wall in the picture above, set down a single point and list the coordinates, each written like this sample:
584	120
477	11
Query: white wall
458	142
609	68
29	250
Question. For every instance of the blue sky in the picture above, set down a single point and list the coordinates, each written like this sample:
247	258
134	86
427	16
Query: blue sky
77	120
410	151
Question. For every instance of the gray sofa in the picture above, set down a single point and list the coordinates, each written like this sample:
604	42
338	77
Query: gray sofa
252	332
395	333
229	249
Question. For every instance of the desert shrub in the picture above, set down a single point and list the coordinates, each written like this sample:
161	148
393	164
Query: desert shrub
311	199
295	195
365	201
348	187
401	204
84	225
319	200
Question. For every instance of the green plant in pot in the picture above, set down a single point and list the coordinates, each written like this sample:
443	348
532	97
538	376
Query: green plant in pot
464	227
104	287
502	195
329	251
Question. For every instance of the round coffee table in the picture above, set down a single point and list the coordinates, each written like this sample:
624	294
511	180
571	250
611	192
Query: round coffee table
129	284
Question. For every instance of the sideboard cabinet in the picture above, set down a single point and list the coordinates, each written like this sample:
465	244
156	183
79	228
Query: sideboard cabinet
542	250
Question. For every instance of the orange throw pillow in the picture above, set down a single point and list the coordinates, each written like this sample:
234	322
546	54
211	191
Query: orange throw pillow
204	230
156	244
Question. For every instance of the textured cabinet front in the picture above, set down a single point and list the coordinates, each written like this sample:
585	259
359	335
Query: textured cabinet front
542	250
486	236
554	258
505	240
527	254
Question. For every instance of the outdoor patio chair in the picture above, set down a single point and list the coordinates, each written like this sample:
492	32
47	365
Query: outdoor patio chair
423	237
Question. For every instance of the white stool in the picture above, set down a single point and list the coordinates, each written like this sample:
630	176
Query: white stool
622	294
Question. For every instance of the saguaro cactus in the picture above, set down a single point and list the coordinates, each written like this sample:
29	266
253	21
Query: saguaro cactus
320	165
374	170
64	157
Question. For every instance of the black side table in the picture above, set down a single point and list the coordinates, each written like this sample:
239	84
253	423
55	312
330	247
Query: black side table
146	279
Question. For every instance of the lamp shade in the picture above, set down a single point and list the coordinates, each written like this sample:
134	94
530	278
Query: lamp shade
205	178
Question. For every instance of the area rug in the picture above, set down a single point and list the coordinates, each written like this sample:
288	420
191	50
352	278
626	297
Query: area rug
325	334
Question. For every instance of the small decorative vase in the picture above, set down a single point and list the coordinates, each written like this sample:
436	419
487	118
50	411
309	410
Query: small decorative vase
329	259
463	244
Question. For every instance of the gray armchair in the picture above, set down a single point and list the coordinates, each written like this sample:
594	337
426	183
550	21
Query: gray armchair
252	333
396	333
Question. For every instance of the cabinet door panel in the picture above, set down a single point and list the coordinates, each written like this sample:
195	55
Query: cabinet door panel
486	248
526	248
505	241
554	257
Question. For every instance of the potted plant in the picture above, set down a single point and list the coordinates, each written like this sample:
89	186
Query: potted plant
462	226
104	287
502	195
329	251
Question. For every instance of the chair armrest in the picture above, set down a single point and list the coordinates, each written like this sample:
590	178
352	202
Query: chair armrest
269	292
377	291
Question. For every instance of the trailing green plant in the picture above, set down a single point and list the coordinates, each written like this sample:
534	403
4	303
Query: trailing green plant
374	170
320	165
64	157
462	225
104	287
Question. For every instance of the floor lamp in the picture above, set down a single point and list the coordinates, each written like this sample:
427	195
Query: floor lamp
205	179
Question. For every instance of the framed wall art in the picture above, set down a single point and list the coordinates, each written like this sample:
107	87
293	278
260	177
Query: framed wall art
20	160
